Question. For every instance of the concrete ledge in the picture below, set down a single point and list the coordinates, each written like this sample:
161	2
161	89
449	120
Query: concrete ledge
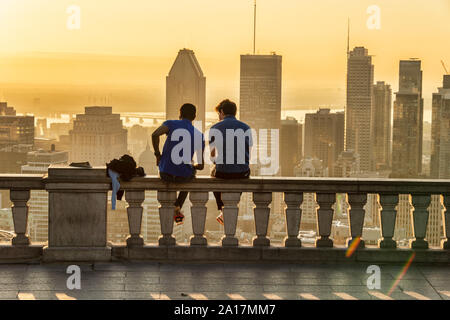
218	254
243	254
20	254
76	254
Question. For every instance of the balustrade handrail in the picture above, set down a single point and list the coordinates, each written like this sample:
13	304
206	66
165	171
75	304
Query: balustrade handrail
76	185
254	184
22	181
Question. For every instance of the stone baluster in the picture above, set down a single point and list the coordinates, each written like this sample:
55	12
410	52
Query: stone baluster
261	213
20	216
198	214
293	218
166	213
445	244
230	215
134	211
419	218
356	217
325	218
388	215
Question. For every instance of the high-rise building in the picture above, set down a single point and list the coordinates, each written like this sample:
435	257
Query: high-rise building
260	98
440	132
408	122
324	137
381	125
260	91
38	163
16	130
98	136
290	145
185	84
360	73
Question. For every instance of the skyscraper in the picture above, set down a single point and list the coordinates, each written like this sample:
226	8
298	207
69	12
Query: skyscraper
324	137
381	125
440	132
260	96
260	91
290	145
185	84
98	136
359	105
408	122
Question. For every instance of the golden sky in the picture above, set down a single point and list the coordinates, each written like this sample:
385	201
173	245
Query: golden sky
310	35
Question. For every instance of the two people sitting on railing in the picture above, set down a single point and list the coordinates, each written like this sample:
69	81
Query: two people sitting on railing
230	141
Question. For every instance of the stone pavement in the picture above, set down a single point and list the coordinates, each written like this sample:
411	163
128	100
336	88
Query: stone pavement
221	281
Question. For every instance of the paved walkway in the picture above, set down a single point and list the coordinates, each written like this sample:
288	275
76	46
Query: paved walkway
222	281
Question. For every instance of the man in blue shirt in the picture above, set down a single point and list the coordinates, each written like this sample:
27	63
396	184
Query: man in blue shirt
230	142
175	163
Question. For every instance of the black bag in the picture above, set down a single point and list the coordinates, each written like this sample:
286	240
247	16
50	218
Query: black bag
125	167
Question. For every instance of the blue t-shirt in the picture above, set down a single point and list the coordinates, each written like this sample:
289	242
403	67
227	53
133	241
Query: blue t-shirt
238	157
183	139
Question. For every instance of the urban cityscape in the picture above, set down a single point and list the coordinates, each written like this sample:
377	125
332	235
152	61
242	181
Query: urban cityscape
376	129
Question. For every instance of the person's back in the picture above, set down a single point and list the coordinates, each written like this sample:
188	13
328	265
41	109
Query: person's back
173	160
232	157
175	163
230	142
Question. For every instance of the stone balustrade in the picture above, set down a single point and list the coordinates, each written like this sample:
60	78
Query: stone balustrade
78	212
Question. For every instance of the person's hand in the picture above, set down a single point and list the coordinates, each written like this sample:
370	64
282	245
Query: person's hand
199	167
158	159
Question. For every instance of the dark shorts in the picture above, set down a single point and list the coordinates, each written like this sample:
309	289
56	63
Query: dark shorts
230	175
171	178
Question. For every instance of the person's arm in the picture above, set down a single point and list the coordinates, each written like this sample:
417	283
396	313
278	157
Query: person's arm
201	164
155	141
212	148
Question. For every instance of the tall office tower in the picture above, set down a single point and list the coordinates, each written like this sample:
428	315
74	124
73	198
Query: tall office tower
381	125
15	129
359	105
290	146
185	84
260	97
324	137
38	163
440	132
98	136
408	122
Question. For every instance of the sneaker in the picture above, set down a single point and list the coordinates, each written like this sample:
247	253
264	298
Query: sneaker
178	216
220	218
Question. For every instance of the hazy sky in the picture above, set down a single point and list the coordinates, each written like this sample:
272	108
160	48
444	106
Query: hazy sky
310	35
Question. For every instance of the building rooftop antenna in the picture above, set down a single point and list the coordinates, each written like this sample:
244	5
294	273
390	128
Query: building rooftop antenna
254	29
348	37
443	65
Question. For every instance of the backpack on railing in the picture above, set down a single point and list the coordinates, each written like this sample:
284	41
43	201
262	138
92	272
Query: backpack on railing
125	167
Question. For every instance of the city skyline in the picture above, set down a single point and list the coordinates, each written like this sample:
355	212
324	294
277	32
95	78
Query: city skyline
114	60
